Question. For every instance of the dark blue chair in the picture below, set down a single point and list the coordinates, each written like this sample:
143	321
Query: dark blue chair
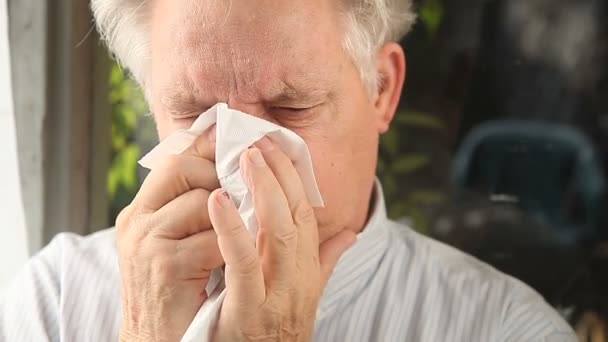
549	171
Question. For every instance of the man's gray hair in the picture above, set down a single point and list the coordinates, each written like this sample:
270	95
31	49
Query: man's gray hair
125	27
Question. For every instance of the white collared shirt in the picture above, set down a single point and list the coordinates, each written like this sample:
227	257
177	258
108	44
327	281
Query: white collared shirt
393	284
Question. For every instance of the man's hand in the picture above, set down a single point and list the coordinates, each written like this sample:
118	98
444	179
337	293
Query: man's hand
166	246
272	291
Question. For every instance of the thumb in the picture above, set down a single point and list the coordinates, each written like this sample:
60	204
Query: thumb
331	250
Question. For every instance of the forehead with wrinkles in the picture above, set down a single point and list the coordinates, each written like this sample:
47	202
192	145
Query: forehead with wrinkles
252	50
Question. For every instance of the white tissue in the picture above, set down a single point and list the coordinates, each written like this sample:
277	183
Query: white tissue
235	132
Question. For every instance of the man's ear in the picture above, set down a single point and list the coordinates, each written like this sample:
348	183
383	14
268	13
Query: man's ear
390	65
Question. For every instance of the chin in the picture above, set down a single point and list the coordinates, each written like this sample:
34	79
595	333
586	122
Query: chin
328	229
326	233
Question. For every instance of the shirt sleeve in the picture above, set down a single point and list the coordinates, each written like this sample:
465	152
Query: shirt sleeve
29	307
529	318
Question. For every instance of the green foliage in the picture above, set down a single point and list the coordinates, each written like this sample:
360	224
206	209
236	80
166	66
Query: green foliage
430	14
405	160
409	163
128	105
396	166
123	172
417	119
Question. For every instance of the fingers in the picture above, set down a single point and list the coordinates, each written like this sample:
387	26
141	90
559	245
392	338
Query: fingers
175	176
288	178
184	216
291	184
204	145
199	254
274	219
194	168
244	277
331	250
186	220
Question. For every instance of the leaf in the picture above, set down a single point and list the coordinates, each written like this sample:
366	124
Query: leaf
130	118
389	141
119	141
428	197
381	166
403	209
397	209
417	119
409	163
431	13
125	166
116	74
389	185
418	218
128	106
112	182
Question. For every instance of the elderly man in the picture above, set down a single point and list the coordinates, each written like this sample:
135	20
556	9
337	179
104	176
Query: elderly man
332	72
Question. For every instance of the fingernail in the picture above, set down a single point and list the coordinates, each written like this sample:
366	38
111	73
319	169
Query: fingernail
265	144
212	134
223	199
256	157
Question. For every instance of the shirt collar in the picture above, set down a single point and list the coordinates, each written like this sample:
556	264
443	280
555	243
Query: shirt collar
357	265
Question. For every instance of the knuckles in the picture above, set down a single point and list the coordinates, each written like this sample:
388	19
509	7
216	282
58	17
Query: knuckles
123	218
163	269
304	214
200	196
170	163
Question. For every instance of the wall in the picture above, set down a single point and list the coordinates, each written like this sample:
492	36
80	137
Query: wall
13	238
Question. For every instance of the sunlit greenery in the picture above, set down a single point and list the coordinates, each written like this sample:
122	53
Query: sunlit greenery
128	105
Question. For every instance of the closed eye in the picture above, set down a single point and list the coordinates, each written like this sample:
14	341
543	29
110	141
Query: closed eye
292	110
186	115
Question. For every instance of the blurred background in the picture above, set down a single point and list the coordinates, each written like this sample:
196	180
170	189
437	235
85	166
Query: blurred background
499	148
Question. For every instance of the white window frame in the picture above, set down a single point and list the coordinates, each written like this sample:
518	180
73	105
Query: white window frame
62	116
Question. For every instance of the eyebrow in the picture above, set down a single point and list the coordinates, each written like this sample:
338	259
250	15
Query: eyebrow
291	95
180	99
308	90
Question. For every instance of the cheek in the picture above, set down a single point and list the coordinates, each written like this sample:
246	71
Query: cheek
344	172
344	155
